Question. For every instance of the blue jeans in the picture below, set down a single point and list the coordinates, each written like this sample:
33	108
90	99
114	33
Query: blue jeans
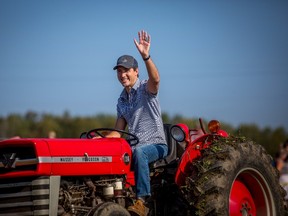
142	156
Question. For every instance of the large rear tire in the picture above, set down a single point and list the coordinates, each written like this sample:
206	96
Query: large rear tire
234	178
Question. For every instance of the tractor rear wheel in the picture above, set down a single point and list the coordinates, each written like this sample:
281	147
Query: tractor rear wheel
234	177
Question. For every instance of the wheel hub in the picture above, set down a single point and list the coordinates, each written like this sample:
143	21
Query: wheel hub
241	200
246	209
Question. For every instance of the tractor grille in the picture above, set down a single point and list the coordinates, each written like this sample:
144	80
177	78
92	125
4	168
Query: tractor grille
25	196
17	158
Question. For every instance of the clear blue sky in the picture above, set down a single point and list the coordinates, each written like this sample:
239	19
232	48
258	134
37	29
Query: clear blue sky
217	59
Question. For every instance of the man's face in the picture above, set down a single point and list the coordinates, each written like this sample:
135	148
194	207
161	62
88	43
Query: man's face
127	77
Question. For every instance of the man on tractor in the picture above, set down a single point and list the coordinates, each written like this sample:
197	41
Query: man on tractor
138	107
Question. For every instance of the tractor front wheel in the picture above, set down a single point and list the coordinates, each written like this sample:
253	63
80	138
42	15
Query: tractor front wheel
110	209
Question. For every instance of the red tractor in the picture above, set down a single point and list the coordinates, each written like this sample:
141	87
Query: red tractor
203	174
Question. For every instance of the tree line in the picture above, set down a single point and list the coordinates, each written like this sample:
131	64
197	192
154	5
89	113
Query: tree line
32	124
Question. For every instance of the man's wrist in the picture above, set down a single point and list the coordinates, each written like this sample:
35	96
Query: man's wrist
147	58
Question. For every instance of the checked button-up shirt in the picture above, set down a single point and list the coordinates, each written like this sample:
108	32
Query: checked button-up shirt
142	112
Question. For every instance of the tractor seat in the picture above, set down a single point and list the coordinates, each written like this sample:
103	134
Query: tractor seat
172	150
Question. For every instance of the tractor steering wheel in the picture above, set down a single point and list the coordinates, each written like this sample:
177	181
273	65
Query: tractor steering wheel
132	139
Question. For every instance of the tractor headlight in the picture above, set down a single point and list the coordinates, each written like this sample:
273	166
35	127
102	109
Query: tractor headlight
126	158
180	132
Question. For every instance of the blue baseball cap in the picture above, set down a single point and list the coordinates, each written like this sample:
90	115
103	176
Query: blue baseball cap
126	61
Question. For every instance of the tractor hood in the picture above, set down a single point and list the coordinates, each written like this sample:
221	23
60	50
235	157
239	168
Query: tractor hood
65	157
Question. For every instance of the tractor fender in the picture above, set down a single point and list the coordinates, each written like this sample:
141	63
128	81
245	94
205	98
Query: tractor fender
190	154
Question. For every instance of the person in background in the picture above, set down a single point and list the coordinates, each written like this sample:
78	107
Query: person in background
138	108
282	166
52	134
